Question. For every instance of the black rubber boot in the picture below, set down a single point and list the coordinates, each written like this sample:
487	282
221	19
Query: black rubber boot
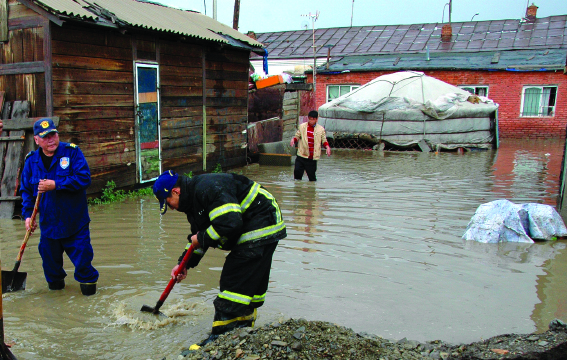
210	339
57	285
88	289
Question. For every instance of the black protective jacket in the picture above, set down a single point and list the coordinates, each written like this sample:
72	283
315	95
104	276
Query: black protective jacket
230	210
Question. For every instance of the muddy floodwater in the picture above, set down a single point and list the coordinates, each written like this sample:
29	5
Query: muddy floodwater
374	245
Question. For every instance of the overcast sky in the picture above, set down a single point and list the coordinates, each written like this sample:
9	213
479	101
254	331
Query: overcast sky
281	15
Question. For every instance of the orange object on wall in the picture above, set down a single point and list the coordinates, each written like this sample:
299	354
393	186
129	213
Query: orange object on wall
270	81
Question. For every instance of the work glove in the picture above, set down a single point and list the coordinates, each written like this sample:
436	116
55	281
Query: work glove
195	257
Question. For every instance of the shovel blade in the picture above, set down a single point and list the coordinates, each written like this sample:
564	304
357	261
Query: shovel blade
146	308
13	281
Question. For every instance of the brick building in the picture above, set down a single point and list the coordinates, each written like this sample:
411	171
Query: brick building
521	64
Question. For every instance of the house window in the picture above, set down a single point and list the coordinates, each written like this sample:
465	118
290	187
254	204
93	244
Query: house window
538	100
334	91
476	90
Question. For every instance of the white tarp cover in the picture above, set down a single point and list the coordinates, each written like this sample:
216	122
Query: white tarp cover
392	102
504	221
407	90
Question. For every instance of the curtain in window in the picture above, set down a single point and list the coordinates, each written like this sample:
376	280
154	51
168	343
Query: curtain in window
333	92
532	97
469	89
546	109
481	91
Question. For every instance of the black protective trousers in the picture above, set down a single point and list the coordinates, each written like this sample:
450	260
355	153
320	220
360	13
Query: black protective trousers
307	165
243	286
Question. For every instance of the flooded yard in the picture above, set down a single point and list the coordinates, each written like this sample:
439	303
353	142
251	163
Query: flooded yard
374	245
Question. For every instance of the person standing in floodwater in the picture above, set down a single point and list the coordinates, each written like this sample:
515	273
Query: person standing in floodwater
60	172
232	213
311	136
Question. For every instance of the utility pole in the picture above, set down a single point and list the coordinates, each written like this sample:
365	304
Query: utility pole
236	14
314	18
215	9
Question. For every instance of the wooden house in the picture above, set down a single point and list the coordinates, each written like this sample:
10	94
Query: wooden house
140	87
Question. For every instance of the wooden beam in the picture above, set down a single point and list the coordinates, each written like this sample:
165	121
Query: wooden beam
22	68
10	198
12	138
31	5
3	20
25	124
25	23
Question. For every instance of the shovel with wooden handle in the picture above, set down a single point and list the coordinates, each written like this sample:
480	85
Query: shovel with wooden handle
14	280
165	294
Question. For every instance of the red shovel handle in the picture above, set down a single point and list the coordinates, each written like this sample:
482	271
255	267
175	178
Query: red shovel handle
173	280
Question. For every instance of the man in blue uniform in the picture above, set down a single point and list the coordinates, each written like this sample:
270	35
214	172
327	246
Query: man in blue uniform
233	213
60	172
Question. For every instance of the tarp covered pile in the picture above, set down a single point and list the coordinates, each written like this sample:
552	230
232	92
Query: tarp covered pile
504	221
406	107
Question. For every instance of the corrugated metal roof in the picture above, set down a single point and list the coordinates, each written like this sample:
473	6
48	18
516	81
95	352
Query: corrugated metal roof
471	36
511	60
146	15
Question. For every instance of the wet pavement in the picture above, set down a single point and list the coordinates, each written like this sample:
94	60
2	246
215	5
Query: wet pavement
374	245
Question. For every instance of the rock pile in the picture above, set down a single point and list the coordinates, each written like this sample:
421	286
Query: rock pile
314	340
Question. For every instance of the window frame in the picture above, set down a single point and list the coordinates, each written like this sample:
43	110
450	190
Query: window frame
475	87
352	87
540	113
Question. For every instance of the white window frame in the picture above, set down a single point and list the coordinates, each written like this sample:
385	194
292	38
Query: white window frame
475	88
352	87
540	113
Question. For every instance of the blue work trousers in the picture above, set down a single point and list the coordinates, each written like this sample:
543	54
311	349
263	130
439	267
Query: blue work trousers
79	249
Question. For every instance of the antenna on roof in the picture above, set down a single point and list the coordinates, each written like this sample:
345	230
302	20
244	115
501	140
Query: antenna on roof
351	13
314	18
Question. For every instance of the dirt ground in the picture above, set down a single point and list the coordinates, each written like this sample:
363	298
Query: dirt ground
301	339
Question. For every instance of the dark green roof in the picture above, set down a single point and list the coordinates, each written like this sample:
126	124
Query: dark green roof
512	60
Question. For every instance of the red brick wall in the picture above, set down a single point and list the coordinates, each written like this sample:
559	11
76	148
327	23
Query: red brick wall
504	88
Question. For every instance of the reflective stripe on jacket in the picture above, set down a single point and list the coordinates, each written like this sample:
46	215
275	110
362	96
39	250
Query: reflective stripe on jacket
229	210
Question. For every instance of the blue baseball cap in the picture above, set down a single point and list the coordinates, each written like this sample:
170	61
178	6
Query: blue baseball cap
162	188
44	126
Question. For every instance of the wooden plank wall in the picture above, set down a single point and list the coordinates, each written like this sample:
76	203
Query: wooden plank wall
227	72
181	90
21	69
93	95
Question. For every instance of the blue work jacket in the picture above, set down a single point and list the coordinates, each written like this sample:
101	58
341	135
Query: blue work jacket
63	211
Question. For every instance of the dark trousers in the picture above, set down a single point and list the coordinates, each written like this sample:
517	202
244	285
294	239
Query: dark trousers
307	165
79	249
243	286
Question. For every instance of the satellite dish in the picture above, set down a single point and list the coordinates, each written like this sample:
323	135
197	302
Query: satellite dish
305	25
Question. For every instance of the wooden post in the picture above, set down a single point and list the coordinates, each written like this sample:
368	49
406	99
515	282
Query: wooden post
3	20
236	14
2	133
204	109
